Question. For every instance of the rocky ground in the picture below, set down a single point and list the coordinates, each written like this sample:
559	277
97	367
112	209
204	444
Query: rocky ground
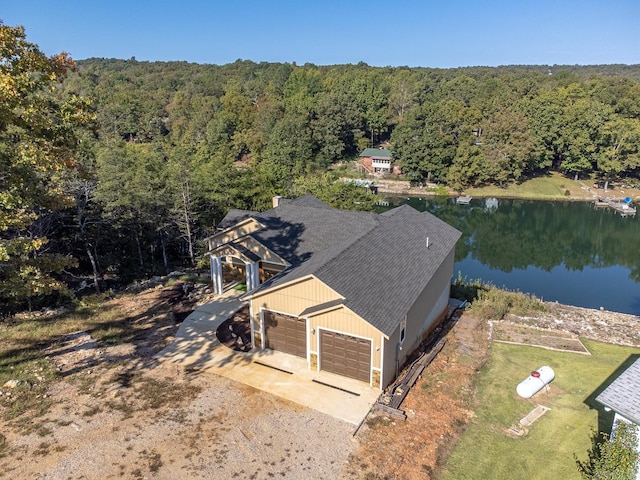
113	412
600	325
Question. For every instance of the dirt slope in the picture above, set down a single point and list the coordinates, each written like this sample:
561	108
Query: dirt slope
438	407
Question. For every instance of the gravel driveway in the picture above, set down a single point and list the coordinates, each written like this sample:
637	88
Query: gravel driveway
221	430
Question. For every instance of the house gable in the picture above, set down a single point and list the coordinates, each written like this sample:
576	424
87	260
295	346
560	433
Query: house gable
294	297
235	250
264	254
234	232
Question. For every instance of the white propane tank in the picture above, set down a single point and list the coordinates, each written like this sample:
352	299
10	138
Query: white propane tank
538	379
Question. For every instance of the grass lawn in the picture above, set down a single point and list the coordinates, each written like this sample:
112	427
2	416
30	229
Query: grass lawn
547	451
552	186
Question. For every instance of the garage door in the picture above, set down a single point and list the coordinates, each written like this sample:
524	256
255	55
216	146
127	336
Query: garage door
285	333
345	355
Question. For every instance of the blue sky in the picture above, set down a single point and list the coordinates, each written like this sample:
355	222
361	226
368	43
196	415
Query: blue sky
429	33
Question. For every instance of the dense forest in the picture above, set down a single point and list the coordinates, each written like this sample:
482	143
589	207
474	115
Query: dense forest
117	169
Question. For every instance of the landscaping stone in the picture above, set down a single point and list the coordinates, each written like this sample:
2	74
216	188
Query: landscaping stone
600	325
11	384
534	415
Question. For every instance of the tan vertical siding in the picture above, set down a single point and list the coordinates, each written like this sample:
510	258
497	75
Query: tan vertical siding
425	314
296	297
428	309
389	367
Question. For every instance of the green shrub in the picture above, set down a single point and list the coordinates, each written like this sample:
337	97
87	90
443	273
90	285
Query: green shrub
464	289
495	304
439	191
615	459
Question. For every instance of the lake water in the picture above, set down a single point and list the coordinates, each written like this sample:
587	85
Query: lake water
571	252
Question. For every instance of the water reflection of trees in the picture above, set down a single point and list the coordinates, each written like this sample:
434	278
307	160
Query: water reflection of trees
522	233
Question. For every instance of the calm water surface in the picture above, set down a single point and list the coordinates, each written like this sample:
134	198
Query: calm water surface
565	251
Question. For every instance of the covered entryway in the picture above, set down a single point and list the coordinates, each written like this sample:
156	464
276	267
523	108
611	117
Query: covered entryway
345	355
285	333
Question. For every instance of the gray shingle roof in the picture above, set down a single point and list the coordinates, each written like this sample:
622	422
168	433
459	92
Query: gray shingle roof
322	306
306	201
245	251
623	394
234	216
378	263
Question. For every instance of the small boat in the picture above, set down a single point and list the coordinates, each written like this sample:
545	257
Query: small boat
463	200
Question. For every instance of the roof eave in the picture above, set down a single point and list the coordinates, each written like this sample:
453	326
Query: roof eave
619	411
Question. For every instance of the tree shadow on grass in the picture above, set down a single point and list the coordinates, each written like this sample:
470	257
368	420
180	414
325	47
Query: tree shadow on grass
146	332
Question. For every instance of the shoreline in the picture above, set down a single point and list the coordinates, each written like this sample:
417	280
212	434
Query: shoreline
587	193
416	194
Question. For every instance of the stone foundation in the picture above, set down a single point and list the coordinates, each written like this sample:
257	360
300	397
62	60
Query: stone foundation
313	360
375	379
257	340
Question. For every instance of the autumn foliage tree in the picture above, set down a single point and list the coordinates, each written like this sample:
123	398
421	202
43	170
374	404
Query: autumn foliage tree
37	142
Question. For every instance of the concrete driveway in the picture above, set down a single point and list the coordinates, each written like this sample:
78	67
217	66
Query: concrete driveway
196	346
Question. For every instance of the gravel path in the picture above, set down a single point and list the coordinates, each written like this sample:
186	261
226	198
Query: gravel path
225	431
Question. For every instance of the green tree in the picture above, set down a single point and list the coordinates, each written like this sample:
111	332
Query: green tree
369	89
566	125
238	111
506	144
335	127
289	151
37	142
403	95
425	142
616	459
132	189
330	189
620	150
300	91
468	168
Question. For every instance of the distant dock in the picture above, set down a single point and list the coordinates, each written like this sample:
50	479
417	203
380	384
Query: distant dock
623	208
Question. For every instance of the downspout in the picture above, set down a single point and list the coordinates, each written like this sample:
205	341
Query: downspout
397	358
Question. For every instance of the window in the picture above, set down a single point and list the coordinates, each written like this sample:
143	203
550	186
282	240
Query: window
403	330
